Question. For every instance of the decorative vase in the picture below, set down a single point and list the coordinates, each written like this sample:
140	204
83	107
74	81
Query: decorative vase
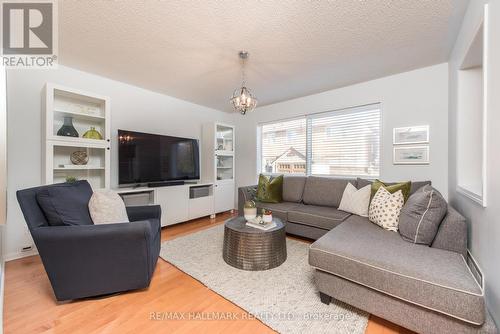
79	158
92	134
250	213
249	210
67	129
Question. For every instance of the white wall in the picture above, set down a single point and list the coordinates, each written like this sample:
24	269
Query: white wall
484	224
418	97
3	183
132	108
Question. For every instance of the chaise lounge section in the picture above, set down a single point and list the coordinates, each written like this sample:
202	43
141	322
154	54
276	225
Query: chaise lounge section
425	289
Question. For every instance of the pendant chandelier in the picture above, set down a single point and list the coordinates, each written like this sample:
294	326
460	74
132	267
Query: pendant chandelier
242	100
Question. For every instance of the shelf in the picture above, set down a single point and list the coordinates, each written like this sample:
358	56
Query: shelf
79	142
224	181
224	153
224	167
80	115
78	167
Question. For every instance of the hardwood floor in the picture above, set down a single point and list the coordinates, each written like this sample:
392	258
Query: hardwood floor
30	306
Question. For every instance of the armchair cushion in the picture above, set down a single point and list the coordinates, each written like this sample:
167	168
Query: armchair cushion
66	203
107	207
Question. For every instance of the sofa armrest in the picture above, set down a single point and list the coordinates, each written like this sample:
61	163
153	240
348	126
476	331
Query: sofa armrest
452	233
245	194
89	260
144	212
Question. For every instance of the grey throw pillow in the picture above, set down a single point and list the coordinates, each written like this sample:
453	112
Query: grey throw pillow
421	215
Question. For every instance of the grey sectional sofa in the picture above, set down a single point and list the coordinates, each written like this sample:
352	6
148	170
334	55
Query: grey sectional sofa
425	289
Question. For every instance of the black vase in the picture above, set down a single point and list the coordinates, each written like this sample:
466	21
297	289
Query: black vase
67	130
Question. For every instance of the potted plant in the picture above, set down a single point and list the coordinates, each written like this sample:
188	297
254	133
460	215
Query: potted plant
267	216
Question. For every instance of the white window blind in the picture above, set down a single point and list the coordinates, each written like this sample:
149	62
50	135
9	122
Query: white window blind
343	143
283	147
346	142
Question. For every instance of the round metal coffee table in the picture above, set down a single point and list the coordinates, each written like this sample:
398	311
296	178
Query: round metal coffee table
250	248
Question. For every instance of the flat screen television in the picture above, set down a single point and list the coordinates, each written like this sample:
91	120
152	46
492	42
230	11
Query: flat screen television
150	158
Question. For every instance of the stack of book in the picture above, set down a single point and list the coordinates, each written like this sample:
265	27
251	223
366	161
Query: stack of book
257	222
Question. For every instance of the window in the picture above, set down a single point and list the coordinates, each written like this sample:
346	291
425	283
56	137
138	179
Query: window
343	143
284	147
346	142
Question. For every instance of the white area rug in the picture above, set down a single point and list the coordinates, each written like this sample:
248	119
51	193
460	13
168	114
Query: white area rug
284	298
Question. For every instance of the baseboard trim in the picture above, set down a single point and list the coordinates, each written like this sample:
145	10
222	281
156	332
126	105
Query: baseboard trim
2	286
19	255
475	269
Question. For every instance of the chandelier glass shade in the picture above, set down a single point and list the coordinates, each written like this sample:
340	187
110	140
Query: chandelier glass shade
243	100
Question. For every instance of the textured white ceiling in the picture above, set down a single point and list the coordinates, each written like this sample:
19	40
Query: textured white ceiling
188	49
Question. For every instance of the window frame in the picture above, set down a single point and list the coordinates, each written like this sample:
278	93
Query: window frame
479	197
308	118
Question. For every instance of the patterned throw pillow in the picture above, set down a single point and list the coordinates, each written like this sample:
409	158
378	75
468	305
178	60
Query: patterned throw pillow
385	209
356	201
270	190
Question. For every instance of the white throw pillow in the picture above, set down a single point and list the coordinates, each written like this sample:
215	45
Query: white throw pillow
385	209
107	207
356	201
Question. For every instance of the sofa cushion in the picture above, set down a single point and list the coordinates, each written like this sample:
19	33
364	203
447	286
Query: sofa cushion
318	216
371	256
414	185
355	201
385	209
66	203
452	233
293	188
421	216
269	189
405	188
325	191
279	210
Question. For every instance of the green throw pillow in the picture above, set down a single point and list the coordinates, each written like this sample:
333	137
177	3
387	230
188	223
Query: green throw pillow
270	190
405	188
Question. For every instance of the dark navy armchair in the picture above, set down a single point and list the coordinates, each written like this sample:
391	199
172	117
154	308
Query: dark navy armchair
92	260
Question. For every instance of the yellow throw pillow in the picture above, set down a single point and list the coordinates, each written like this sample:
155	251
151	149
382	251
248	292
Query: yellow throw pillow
405	188
270	190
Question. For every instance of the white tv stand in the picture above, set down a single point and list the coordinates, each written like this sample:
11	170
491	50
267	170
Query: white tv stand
178	203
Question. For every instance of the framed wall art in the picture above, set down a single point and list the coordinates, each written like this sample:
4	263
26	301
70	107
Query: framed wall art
411	135
411	155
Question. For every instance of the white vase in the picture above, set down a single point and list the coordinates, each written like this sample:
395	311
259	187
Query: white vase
250	213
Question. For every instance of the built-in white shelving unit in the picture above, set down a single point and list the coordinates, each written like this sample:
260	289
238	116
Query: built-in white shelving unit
87	110
218	163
